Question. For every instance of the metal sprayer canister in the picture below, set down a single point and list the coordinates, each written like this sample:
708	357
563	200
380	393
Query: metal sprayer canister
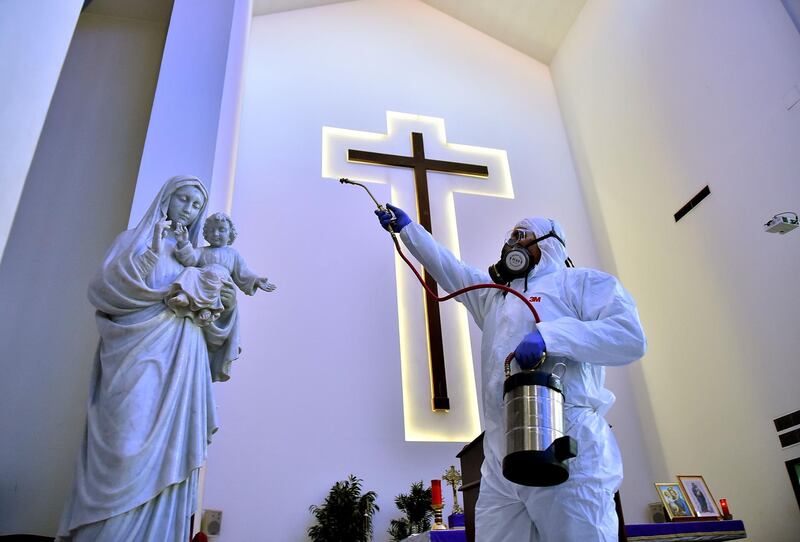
536	447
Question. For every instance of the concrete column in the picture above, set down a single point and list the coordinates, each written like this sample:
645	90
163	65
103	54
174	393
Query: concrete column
184	130
221	192
34	38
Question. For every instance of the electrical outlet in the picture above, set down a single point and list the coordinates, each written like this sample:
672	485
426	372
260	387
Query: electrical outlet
656	512
212	522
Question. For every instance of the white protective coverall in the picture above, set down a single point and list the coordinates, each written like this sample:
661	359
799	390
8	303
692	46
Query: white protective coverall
588	321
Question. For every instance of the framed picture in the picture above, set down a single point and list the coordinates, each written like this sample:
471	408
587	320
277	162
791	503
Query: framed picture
703	503
674	501
793	466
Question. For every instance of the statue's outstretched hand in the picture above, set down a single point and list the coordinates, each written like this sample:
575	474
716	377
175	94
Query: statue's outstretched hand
266	285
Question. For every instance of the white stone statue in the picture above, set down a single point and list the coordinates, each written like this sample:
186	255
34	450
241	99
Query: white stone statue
195	293
151	410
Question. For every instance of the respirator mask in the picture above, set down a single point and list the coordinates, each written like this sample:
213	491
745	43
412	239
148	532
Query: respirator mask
515	258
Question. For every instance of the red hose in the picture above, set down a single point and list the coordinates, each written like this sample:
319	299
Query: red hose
432	294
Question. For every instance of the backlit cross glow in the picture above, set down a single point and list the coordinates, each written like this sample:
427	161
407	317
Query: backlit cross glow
460	423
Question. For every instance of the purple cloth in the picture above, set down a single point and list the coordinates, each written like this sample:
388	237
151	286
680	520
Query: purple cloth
448	536
455	520
733	527
439	536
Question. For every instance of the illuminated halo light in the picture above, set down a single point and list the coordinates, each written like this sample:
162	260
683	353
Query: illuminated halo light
461	423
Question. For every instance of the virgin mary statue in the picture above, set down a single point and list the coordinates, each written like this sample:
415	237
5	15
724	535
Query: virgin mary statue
151	409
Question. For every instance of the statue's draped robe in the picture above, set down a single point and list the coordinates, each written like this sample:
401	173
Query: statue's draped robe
151	410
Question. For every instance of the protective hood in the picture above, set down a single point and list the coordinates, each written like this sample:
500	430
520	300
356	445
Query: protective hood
554	254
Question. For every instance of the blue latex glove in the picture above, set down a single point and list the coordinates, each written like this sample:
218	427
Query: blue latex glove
529	351
397	222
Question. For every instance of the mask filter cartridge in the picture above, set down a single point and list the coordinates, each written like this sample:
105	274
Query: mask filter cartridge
515	262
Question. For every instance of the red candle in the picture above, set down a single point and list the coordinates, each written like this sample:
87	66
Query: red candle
436	492
723	504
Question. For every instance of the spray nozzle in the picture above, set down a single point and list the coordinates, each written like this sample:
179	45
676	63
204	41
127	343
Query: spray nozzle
345	180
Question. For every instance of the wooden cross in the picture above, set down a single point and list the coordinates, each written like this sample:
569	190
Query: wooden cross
421	166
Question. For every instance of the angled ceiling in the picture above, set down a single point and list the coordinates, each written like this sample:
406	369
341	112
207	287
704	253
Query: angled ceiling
533	27
157	11
265	7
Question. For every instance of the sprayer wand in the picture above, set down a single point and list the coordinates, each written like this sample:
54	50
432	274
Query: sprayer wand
345	180
381	207
431	293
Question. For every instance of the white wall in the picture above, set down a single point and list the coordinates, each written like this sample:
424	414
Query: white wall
183	132
316	394
75	201
661	98
34	37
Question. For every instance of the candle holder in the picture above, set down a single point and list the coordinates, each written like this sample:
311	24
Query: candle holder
438	524
726	513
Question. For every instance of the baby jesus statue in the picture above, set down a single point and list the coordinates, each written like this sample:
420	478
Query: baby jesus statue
195	292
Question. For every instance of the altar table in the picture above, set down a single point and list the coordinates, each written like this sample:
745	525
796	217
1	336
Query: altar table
686	531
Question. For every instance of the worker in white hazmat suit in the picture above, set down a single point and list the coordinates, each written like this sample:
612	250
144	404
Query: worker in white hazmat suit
588	321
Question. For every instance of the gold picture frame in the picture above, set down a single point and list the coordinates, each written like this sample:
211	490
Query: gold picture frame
674	500
699	496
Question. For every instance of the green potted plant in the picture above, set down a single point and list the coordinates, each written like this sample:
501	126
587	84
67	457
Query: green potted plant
345	514
416	505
